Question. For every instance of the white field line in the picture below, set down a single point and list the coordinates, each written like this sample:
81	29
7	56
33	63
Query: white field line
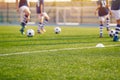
53	50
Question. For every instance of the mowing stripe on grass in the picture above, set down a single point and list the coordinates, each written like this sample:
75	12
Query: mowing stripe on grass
54	50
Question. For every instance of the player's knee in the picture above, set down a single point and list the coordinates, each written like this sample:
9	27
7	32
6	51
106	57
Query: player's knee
27	12
47	18
107	18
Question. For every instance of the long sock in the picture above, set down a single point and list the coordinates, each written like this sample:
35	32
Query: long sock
108	24
24	22
40	25
117	30
45	21
25	18
23	26
101	30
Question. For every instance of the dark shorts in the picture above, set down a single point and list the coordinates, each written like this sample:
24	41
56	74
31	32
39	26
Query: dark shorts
38	10
115	5
103	11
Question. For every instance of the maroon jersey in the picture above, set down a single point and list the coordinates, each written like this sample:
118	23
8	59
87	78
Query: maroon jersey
23	3
40	6
103	10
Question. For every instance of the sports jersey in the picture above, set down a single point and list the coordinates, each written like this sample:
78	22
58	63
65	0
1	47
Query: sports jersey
23	3
40	9
103	10
102	3
115	5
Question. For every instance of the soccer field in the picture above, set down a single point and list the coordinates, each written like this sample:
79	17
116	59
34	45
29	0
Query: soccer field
70	55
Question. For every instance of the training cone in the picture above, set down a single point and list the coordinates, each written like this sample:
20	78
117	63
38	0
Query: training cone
100	45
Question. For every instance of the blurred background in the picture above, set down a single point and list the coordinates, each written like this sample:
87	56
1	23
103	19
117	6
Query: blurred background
61	12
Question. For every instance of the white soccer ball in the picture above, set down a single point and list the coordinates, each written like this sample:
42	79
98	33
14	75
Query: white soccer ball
30	33
57	30
112	32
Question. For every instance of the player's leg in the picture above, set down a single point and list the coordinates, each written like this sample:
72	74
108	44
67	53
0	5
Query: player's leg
101	26
40	25
107	23
101	30
117	29
21	20
42	28
25	16
46	18
43	21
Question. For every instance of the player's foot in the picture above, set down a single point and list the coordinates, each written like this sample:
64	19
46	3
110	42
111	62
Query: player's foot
107	29
115	38
111	35
38	31
22	31
43	30
101	36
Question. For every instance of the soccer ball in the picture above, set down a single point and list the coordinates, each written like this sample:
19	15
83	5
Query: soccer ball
112	33
30	33
57	30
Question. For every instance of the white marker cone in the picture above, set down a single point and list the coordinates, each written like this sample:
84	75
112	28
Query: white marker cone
100	45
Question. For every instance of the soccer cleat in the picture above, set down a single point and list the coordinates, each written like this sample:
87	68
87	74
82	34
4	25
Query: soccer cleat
115	38
22	31
107	29
111	35
43	29
38	31
101	35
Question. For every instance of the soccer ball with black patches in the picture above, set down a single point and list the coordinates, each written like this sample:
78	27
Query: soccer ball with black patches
30	33
57	30
112	33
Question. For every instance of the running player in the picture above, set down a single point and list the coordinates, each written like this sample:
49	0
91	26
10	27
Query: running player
103	13
42	15
23	8
115	7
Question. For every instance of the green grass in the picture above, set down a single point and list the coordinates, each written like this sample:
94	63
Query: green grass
76	64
